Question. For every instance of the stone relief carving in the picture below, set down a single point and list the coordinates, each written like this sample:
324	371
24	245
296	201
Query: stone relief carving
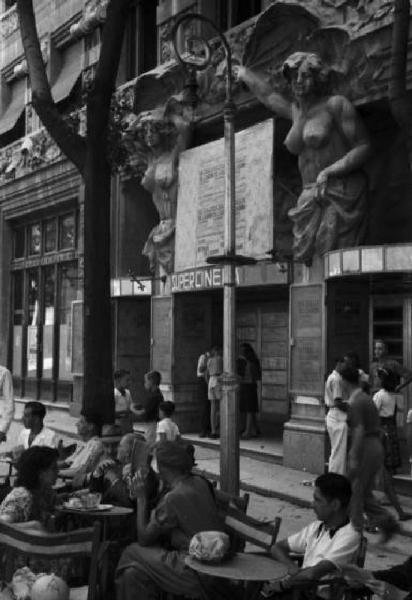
9	22
94	14
327	134
155	138
27	155
166	51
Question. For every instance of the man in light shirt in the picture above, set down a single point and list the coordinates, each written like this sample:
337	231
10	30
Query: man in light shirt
7	413
336	420
34	432
326	544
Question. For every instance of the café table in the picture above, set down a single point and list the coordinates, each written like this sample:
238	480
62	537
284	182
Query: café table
93	513
251	569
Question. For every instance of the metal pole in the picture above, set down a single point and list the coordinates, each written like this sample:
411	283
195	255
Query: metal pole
229	413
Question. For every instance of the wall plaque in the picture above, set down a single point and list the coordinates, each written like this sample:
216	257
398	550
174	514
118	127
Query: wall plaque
306	331
200	207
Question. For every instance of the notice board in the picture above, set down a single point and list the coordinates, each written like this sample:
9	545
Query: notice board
307	339
201	198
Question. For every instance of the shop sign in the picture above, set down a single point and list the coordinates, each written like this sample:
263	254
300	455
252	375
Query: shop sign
199	279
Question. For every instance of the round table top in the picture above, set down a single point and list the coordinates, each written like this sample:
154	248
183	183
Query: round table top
114	511
242	566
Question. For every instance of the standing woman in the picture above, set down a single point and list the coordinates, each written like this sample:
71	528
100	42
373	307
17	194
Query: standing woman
365	458
385	401
250	373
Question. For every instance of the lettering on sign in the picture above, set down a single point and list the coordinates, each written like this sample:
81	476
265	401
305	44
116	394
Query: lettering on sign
199	279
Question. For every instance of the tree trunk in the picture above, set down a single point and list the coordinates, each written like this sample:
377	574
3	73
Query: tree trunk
89	156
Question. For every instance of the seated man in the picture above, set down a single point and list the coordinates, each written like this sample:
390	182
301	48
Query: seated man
157	561
326	544
394	583
112	478
34	432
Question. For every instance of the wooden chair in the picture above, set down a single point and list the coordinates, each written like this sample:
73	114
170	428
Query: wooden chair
225	501
31	544
243	528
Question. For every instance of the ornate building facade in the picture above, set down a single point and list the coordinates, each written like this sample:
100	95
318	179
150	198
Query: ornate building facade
331	239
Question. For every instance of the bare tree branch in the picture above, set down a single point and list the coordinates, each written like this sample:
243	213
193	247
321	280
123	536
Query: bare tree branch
70	143
105	79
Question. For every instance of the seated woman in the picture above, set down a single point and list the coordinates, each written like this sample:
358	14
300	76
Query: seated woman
33	497
113	477
87	454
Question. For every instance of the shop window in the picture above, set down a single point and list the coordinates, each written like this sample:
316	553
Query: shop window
140	46
50	235
67	232
42	297
68	293
19	243
34	239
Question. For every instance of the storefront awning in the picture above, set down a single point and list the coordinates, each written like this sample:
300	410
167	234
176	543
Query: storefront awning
69	73
392	258
15	107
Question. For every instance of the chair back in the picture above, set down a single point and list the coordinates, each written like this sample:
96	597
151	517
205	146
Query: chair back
225	501
34	544
242	528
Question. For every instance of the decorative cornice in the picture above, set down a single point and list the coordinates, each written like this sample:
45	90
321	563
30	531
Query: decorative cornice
62	36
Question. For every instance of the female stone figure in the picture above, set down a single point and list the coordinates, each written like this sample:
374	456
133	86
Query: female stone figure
164	137
332	145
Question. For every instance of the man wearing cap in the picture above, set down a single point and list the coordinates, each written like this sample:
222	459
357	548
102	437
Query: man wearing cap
157	561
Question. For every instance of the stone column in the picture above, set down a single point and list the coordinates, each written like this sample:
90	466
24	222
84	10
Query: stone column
304	437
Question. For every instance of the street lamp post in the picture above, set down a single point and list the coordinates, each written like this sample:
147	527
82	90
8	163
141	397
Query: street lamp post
229	411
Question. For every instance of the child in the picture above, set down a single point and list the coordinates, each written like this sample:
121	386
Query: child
166	427
154	397
123	404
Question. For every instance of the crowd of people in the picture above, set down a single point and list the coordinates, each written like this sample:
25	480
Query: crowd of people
152	475
361	423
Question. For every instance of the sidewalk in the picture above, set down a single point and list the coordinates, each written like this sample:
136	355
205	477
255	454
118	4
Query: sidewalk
275	481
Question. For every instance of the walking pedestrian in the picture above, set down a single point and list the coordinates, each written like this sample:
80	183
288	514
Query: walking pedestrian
365	458
385	401
214	369
336	419
202	394
7	414
249	370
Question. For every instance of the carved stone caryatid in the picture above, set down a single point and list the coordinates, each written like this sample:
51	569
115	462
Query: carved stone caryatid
157	137
328	137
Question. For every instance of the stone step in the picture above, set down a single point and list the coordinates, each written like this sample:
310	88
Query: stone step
262	448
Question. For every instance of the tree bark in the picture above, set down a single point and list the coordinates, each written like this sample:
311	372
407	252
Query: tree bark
400	103
90	158
70	143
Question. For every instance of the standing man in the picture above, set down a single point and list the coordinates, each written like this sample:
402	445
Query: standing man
336	420
7	412
382	361
202	394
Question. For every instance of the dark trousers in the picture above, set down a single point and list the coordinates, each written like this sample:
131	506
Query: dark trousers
204	405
